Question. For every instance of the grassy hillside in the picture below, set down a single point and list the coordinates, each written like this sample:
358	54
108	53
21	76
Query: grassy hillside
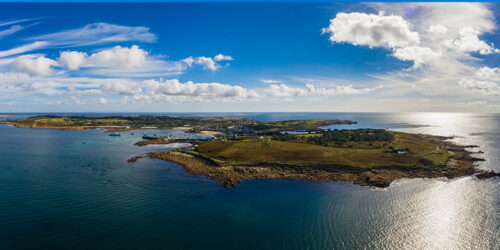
420	150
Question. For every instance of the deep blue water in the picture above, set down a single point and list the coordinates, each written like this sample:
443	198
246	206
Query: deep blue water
56	192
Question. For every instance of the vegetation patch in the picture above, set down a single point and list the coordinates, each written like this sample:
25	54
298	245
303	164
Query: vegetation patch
395	149
155	141
231	161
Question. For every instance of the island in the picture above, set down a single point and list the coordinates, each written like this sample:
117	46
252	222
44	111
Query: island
245	149
209	125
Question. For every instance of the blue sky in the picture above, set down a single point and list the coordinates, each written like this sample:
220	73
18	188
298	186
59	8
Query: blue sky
249	57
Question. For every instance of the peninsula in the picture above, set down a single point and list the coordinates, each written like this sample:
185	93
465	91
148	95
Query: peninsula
244	149
365	157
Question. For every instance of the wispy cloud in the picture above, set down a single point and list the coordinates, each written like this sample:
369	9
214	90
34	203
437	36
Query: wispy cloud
269	81
15	26
11	22
97	33
283	90
11	30
23	49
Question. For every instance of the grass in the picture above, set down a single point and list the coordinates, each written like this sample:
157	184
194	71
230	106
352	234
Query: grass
270	152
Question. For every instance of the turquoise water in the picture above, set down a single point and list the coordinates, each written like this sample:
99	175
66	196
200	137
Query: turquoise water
56	192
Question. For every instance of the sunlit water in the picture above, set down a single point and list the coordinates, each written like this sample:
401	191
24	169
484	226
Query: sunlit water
56	191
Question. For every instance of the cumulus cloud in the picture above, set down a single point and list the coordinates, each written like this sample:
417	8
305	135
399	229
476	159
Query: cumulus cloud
120	57
208	63
200	91
98	33
419	55
448	31
486	73
120	61
468	41
34	65
371	30
221	57
73	59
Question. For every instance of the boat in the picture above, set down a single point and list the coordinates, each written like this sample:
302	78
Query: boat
109	140
147	137
83	141
114	134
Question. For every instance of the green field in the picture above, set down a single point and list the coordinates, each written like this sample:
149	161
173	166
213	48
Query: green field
267	152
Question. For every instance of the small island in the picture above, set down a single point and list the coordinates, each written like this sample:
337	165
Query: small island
244	149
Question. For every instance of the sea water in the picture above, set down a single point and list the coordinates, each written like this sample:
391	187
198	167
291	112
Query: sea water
58	192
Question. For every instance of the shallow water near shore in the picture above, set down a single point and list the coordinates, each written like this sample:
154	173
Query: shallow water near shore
58	192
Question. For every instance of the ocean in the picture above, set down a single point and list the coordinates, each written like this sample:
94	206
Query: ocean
58	192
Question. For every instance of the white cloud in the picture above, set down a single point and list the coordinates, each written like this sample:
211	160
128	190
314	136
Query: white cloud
23	49
438	29
189	61
423	37
419	55
34	65
221	57
83	92
121	88
120	57
14	26
470	42
11	30
208	63
5	23
98	33
198	92
283	90
269	81
450	35
371	30
338	90
483	87
486	81
73	59
120	61
486	73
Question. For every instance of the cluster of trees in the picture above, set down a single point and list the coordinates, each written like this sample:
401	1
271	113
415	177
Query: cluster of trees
338	136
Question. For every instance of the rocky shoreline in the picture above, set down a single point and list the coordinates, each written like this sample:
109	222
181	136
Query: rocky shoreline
462	164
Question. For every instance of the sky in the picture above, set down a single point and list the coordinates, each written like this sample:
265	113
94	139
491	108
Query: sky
249	57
